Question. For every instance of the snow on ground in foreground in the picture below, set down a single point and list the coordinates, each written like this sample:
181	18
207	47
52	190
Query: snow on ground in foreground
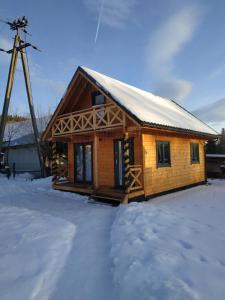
56	245
172	247
53	245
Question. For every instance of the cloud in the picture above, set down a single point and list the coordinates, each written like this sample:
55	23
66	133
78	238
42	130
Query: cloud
5	44
36	74
213	114
174	89
99	20
217	72
57	87
110	13
166	43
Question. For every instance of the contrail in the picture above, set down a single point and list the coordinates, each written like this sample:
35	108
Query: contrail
99	20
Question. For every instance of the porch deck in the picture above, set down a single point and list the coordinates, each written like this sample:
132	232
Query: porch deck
103	192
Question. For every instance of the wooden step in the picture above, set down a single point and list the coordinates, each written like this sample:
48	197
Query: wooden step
108	194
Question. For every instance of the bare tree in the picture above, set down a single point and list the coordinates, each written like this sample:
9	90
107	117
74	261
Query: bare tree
10	134
43	119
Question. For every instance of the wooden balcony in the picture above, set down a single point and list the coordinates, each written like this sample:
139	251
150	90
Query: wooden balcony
95	118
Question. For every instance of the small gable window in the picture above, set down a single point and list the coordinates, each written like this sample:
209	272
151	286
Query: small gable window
194	153
163	153
97	99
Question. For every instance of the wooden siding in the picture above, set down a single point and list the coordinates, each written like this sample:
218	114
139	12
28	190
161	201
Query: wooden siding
181	172
81	100
106	162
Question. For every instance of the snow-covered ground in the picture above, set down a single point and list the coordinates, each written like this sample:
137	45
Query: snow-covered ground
56	245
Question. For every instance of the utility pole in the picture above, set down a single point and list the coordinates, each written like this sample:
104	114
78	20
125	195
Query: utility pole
19	46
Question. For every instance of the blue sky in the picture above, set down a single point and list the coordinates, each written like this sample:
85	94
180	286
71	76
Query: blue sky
173	48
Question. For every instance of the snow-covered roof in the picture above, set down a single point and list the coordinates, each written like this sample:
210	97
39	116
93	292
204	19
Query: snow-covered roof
147	107
21	133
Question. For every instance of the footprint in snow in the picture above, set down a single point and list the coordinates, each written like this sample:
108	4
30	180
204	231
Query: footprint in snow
222	263
154	230
203	258
185	244
210	226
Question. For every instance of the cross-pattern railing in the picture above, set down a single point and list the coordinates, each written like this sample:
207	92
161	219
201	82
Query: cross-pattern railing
135	176
99	117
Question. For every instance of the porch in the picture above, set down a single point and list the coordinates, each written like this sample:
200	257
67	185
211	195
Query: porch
94	166
103	192
94	138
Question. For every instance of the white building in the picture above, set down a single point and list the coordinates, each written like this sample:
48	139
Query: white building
19	146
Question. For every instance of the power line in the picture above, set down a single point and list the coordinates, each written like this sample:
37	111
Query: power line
19	46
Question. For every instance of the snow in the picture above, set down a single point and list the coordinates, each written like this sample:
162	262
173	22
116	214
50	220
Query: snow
21	133
56	245
148	107
172	247
53	244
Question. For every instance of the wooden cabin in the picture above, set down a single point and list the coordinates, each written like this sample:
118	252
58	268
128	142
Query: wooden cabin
124	143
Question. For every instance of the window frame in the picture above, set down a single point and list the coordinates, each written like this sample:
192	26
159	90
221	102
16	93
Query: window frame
93	96
192	153
162	164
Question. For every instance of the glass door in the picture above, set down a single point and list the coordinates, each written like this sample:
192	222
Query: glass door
83	163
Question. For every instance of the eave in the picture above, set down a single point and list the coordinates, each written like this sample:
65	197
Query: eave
207	136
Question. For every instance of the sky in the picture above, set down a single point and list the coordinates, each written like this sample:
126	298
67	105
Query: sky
172	48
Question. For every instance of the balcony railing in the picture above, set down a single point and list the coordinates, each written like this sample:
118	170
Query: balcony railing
98	117
135	175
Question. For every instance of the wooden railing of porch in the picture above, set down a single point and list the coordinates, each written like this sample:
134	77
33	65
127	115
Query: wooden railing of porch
135	174
98	117
136	178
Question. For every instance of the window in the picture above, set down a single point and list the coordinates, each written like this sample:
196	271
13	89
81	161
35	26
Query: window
163	153
97	99
194	153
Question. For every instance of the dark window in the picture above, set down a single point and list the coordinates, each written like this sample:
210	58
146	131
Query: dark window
97	99
163	153
83	163
194	153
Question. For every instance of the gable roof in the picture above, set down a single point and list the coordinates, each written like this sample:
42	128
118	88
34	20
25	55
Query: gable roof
149	109
146	108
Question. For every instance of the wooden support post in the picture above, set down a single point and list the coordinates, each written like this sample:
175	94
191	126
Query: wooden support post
143	162
54	163
9	86
205	166
31	107
126	167
95	164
